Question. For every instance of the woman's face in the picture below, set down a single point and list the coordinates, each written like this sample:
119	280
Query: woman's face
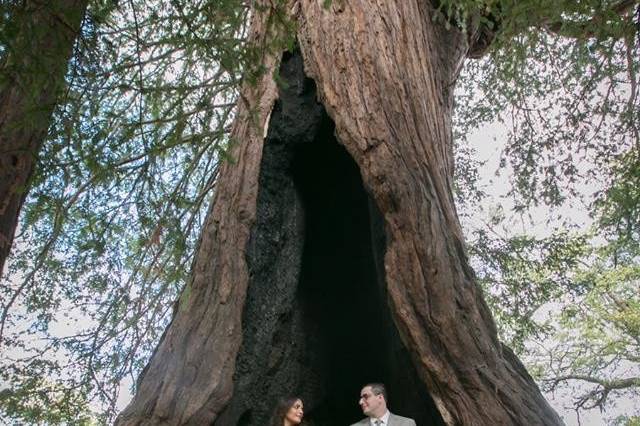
295	413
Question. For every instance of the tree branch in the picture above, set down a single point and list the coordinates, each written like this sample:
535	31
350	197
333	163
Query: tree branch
600	394
585	29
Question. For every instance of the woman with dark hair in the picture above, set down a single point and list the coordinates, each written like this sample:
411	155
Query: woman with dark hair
288	412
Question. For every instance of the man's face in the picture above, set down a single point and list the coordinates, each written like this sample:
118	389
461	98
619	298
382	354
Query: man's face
372	405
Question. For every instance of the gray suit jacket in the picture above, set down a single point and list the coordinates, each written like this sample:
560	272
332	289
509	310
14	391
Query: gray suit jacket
393	421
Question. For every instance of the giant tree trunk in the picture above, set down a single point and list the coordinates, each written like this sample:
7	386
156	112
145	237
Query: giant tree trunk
332	255
32	72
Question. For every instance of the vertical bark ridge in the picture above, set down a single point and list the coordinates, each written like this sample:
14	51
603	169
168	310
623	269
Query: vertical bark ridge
188	380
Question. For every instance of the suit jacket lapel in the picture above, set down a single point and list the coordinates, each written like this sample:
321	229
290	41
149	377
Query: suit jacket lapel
392	419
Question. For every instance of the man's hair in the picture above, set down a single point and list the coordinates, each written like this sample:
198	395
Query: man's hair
378	389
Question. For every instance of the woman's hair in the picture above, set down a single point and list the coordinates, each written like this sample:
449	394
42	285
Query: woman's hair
279	413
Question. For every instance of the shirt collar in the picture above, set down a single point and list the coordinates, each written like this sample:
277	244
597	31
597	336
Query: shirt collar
384	418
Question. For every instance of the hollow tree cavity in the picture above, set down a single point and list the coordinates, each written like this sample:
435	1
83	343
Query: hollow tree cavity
316	321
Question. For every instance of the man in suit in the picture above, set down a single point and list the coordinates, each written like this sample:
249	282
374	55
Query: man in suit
373	401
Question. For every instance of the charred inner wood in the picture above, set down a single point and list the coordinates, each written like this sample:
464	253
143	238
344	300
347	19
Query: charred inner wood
316	321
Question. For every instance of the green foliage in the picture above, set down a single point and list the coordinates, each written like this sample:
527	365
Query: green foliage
34	399
508	18
618	206
566	88
523	274
597	338
569	110
570	307
627	421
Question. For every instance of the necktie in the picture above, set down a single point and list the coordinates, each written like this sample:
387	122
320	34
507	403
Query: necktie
378	422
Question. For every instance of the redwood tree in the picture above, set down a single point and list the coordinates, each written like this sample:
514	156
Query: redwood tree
332	254
41	35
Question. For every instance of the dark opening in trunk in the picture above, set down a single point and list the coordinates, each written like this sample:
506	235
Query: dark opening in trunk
316	321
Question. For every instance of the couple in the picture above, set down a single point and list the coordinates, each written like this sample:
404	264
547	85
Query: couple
373	401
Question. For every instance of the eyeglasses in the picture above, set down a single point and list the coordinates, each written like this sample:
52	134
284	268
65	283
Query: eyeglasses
366	396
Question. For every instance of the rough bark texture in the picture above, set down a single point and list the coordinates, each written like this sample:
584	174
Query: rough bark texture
189	379
319	271
385	74
31	76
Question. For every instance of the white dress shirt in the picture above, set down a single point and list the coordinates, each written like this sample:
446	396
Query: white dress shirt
384	419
